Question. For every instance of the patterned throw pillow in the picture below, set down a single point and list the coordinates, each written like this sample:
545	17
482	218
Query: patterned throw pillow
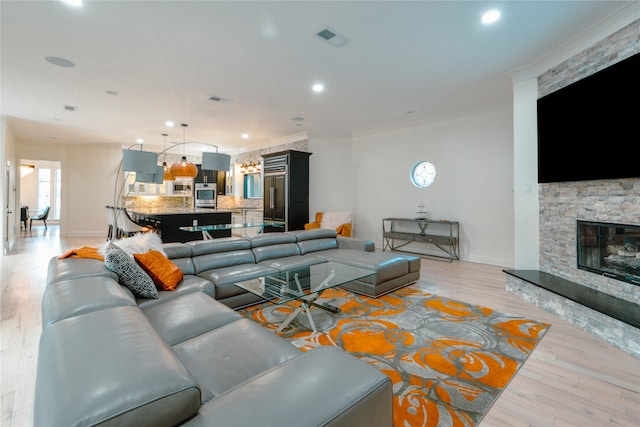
164	273
129	273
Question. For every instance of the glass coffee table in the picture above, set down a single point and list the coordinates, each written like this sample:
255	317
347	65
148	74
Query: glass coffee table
304	285
205	229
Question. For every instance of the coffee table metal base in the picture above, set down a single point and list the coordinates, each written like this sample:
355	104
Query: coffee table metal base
306	302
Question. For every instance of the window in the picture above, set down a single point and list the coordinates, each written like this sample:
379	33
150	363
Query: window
57	191
44	188
423	174
49	189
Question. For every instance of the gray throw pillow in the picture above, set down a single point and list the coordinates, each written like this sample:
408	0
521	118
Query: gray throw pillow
129	272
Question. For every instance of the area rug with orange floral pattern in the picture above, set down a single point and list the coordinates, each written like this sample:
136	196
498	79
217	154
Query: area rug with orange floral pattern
448	360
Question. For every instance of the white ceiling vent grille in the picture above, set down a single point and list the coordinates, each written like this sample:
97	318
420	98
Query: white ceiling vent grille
332	37
215	98
70	108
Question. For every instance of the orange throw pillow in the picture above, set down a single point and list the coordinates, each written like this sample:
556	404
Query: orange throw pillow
164	273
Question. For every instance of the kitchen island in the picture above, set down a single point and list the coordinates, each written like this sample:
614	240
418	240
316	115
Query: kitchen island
167	221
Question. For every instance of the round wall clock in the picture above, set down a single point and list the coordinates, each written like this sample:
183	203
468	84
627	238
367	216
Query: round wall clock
423	174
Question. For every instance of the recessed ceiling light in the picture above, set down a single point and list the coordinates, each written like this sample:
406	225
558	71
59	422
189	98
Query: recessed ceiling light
74	3
169	123
60	62
245	136
490	16
318	87
140	141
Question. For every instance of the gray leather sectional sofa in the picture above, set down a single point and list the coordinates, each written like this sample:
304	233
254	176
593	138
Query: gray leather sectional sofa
109	358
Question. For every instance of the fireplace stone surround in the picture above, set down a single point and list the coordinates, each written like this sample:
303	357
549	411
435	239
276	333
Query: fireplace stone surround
561	205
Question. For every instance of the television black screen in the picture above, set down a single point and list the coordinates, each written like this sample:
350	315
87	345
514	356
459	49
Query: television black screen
590	129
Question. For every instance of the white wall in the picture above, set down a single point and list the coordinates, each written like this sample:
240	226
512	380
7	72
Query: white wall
473	155
88	179
367	174
526	205
330	174
8	227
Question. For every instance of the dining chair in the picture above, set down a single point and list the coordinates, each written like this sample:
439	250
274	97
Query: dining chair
24	216
40	217
111	222
125	226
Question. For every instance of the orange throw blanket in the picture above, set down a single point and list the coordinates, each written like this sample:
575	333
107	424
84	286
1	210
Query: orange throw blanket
83	252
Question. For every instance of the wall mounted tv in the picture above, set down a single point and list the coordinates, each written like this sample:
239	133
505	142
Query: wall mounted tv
591	129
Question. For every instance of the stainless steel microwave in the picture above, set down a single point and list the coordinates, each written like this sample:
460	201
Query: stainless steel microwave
184	187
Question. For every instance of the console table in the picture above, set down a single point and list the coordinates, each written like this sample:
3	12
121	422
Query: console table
442	234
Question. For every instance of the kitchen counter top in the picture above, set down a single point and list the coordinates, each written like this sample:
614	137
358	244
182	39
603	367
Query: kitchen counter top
175	211
246	209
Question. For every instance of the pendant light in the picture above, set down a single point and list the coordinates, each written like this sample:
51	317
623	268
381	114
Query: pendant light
167	169
183	168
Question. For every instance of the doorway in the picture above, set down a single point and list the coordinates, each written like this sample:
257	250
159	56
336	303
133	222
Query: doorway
41	187
7	208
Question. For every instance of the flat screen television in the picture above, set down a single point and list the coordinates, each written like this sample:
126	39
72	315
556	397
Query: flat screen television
590	129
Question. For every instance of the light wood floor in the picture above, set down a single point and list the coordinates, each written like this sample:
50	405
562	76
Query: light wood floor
571	379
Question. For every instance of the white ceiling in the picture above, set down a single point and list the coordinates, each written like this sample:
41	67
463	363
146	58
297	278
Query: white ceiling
404	61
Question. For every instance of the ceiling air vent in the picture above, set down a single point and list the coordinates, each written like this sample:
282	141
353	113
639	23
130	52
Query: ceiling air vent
70	108
332	37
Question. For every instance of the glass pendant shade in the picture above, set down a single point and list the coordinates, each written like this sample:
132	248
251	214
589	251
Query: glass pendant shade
167	172
184	169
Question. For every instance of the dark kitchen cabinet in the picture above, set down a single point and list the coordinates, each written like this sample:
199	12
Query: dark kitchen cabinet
217	177
286	189
274	197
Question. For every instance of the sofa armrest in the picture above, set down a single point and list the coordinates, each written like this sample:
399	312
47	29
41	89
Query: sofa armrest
353	243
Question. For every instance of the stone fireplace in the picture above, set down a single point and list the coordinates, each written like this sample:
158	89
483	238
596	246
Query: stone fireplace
562	205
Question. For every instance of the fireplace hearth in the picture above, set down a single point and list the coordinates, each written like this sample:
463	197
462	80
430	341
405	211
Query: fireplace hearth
612	250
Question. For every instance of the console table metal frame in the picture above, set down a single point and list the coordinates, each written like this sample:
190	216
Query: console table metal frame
447	243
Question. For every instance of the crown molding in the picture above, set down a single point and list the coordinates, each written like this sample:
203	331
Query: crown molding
625	15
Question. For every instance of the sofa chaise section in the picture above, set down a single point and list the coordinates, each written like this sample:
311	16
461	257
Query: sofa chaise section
392	271
319	388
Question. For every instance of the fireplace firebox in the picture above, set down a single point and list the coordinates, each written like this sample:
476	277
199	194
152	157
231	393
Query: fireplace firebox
612	250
